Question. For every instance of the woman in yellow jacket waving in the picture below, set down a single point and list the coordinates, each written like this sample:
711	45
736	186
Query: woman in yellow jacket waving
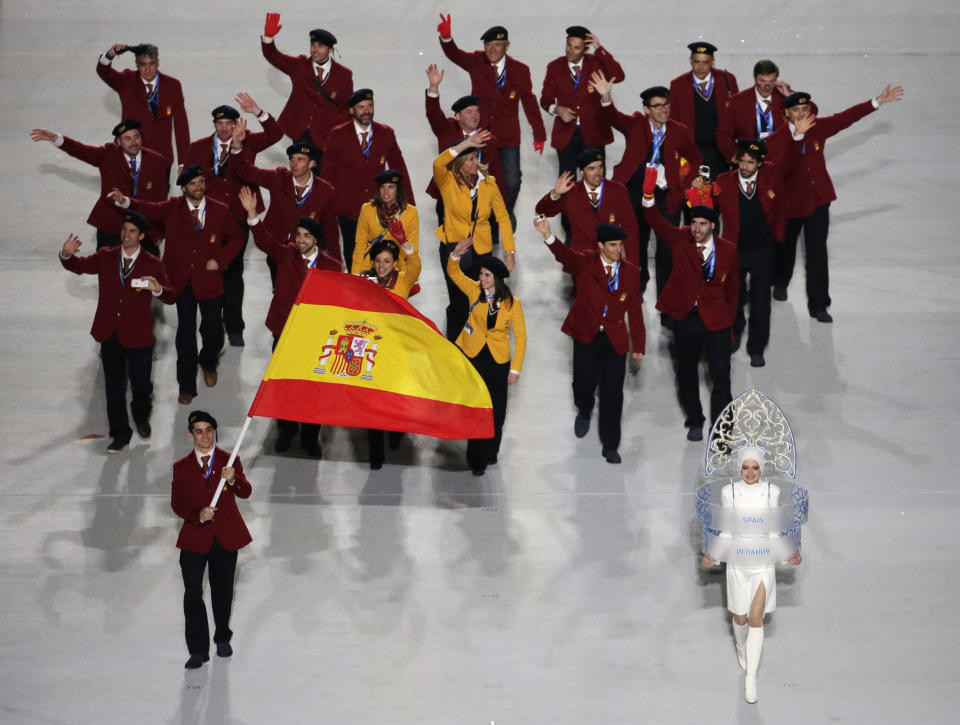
386	216
485	339
469	196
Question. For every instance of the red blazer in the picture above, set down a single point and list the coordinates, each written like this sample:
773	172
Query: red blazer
225	188
558	89
283	214
716	299
448	133
615	208
595	305
172	117
291	271
682	96
121	309
308	107
678	146
115	172
187	250
808	185
192	491
500	107
738	120
352	173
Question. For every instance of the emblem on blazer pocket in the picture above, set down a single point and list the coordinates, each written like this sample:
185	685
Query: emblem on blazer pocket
623	296
313	215
590	89
149	185
213	238
816	146
169	111
513	94
383	160
771	194
613	218
723	278
332	95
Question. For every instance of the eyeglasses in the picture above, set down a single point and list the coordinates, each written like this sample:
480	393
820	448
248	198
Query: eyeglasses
658	106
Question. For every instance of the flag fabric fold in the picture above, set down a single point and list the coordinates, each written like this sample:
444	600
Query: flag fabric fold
354	354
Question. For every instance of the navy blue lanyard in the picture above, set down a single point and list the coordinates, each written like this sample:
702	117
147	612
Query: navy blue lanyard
206	477
305	197
696	86
657	143
123	277
599	197
768	117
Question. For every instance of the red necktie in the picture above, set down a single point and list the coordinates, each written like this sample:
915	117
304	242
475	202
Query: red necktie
320	75
223	152
701	248
126	266
593	199
751	185
703	88
575	72
610	273
364	145
298	190
195	213
206	464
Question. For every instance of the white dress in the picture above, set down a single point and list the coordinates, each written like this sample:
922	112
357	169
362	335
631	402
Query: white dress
743	581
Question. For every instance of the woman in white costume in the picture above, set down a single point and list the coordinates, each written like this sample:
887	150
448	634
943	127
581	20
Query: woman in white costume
751	590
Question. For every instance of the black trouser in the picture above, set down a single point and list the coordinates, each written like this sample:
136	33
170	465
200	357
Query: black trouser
663	260
567	161
459	308
211	337
692	338
223	567
348	231
597	365
481	451
309	432
510	163
120	364
233	287
815	229
758	263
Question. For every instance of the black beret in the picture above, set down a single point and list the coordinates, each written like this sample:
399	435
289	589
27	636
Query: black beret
312	225
189	173
654	92
384	245
577	31
754	146
497	32
465	102
138	220
702	47
228	112
200	416
307	149
127	124
588	156
704	212
492	264
324	37
142	49
362	94
390	176
610	233
800	98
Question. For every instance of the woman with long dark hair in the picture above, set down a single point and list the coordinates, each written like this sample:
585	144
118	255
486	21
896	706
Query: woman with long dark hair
386	216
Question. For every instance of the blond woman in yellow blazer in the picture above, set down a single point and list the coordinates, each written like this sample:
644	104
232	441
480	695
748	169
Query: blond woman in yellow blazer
386	216
469	197
485	339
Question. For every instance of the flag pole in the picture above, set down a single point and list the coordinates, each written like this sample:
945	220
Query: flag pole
233	455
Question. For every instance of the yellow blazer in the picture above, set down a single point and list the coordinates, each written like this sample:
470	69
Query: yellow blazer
497	338
458	205
406	276
369	228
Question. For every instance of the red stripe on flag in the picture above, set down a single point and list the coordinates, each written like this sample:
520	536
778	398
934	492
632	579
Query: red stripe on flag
346	405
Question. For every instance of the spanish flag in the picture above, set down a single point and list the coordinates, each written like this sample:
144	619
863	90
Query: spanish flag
354	354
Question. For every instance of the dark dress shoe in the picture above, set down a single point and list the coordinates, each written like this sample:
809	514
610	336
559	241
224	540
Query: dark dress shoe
311	447
283	442
757	361
186	398
236	339
581	425
695	433
822	316
376	465
116	445
612	456
479	470
143	430
492	460
780	294
210	378
196	661
224	649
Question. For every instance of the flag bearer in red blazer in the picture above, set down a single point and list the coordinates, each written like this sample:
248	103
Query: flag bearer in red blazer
701	297
210	535
202	239
608	289
153	98
129	278
319	89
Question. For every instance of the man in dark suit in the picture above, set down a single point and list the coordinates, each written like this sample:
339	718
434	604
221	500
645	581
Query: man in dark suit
202	239
124	164
608	289
129	277
212	154
355	153
319	89
701	297
755	112
210	535
502	83
696	101
153	98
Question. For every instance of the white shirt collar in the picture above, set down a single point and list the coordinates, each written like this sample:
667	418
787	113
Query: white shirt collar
199	455
589	188
152	83
306	187
200	207
747	180
131	257
709	244
135	158
579	63
316	251
325	66
655	129
761	98
360	130
500	64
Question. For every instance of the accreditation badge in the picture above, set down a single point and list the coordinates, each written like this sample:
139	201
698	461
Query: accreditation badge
771	194
513	94
623	296
613	218
213	238
169	111
149	185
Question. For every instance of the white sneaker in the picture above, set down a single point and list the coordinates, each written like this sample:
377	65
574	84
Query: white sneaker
750	689
742	656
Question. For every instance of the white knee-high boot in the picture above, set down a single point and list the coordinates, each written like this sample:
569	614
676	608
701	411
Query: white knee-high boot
740	638
754	646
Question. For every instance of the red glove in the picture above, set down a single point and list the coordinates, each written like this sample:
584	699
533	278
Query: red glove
538	146
699	197
272	26
649	181
396	231
444	27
